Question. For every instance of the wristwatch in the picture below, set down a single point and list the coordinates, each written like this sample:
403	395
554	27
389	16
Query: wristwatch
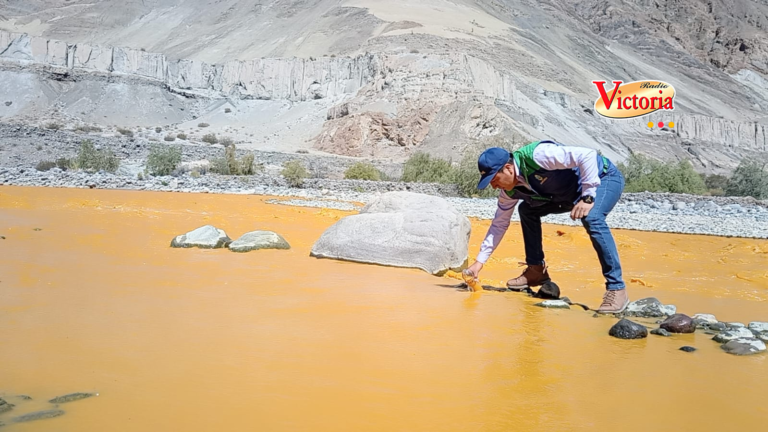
589	199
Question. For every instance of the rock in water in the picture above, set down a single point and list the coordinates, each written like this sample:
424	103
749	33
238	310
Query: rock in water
705	318
71	397
661	332
38	415
687	348
5	406
679	323
401	229
549	290
743	346
626	329
718	326
255	240
733	334
649	308
553	304
758	326
205	237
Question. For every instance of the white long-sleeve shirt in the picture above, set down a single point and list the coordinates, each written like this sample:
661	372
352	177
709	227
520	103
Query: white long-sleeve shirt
548	157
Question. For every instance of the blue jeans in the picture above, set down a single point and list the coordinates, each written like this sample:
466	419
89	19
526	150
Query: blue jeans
607	195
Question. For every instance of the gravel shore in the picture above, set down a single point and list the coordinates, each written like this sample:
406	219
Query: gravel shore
677	213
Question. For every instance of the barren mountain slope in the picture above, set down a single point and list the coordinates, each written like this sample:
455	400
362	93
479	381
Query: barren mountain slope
440	74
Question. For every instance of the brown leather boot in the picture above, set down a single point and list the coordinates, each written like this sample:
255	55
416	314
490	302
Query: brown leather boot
534	275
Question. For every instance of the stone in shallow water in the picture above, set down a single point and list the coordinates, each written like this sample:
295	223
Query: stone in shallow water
660	332
71	397
400	229
718	326
649	308
553	304
758	326
205	237
678	323
744	346
5	406
705	318
687	348
255	240
38	415
733	325
549	290
626	329
733	334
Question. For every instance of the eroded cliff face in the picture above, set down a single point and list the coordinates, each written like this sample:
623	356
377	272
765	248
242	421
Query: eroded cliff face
383	105
292	79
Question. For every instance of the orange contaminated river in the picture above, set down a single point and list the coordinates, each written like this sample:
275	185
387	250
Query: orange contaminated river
210	340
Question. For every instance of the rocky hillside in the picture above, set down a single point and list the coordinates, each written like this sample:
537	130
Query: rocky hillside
383	79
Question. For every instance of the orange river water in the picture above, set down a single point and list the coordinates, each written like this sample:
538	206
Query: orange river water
211	340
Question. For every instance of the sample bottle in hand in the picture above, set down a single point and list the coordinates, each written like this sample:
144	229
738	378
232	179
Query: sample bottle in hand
470	280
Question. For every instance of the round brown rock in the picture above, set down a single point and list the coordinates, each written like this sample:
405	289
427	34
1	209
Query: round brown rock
679	323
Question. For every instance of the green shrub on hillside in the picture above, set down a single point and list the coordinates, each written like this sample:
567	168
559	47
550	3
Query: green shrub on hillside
295	173
92	160
644	174
362	171
749	179
163	159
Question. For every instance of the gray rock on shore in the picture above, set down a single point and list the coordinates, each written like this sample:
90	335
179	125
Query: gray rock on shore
256	240
205	237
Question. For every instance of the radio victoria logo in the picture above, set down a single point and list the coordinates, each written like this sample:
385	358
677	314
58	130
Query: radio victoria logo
633	99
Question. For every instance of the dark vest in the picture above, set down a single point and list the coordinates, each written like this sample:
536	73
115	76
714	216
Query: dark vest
555	186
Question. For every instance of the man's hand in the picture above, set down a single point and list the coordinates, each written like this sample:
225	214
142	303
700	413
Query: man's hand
475	268
581	210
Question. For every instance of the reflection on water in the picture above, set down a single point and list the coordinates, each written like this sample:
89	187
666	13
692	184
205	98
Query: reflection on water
200	340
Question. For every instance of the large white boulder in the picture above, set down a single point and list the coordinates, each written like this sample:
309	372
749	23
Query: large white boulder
401	229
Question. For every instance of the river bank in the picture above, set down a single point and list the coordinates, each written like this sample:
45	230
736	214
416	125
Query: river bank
22	147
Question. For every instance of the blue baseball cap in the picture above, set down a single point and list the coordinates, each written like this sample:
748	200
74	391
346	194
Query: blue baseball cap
489	163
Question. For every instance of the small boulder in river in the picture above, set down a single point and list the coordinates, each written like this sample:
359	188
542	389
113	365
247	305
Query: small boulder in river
38	415
758	326
626	329
549	290
678	323
5	406
687	348
255	240
553	304
744	346
71	397
205	237
705	318
401	229
649	308
718	326
733	334
660	332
